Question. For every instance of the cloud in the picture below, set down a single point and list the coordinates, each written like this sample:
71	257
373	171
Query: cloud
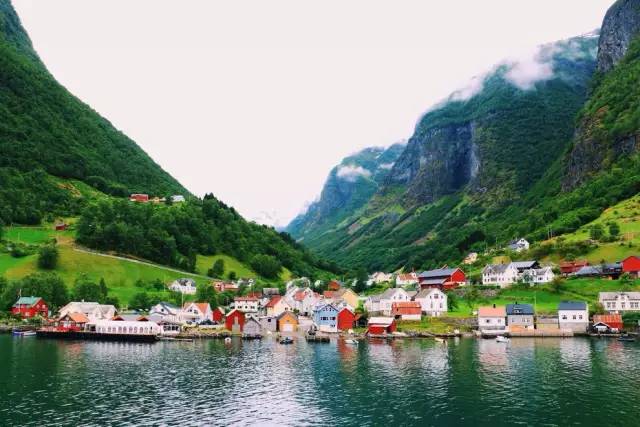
386	166
471	89
528	71
350	172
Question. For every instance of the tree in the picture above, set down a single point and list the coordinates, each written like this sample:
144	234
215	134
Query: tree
48	286
48	257
266	266
207	293
218	268
86	290
614	229
471	297
452	301
596	232
232	275
361	277
140	301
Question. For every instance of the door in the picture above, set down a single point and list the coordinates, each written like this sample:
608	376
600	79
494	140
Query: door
287	327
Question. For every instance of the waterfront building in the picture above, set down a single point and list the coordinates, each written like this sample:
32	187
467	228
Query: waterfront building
442	278
381	325
547	323
607	322
234	321
574	316
92	310
268	323
325	317
432	301
218	315
196	312
406	310
519	316
252	327
27	307
619	302
124	327
277	305
346	319
491	320
287	322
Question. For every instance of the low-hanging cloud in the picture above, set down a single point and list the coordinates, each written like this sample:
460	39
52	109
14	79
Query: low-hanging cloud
351	173
386	166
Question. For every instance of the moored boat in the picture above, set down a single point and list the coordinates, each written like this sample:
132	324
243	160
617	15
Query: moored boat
351	342
501	338
286	340
626	338
18	333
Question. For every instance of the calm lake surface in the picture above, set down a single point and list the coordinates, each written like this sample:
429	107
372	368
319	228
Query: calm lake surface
551	382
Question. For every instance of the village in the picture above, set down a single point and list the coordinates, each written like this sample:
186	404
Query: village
405	304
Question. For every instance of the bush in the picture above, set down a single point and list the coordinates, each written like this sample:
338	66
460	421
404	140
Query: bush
266	266
48	257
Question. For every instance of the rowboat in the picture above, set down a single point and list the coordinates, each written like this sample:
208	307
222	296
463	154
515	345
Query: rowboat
500	338
351	342
24	333
626	338
286	340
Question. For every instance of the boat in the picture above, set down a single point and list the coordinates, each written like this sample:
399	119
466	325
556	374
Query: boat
501	338
626	338
440	340
17	333
286	340
227	340
351	342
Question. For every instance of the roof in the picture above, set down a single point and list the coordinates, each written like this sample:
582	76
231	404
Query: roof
288	313
440	272
434	281
247	298
572	305
78	317
385	321
329	294
495	268
273	301
406	307
390	293
519	309
202	306
30	301
489	311
614	295
589	270
607	318
323	306
342	291
524	264
408	276
425	293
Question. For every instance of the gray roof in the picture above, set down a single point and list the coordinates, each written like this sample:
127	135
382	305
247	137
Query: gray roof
614	295
572	305
495	268
524	264
589	270
440	272
425	292
390	292
433	281
519	309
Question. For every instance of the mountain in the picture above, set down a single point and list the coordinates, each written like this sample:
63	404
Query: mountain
348	187
49	138
475	167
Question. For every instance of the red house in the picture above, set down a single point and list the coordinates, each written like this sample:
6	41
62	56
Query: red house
142	198
570	267
381	325
30	307
612	321
442	278
61	227
234	321
346	319
631	265
334	285
218	315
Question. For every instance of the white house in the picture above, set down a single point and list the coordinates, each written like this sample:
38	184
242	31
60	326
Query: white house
619	302
92	310
433	301
573	315
380	277
196	312
470	258
277	305
519	245
177	198
249	304
387	298
492	320
537	276
407	279
184	286
502	275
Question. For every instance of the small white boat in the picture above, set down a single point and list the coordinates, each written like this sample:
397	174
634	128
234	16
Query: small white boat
501	338
227	340
351	342
440	340
24	333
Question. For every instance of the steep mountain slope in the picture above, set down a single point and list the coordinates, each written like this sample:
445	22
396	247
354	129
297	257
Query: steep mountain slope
44	127
347	188
488	149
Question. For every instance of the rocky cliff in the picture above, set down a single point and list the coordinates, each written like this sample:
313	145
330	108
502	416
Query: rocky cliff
620	26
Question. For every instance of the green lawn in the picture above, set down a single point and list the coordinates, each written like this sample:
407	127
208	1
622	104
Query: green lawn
30	235
204	263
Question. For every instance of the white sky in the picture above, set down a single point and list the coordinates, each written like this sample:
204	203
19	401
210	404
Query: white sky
257	100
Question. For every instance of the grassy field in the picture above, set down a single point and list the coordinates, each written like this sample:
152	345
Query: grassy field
33	235
204	263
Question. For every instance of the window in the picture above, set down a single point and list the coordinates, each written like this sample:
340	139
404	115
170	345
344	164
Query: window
574	317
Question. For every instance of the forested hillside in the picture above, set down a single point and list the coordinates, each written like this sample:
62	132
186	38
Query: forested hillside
45	130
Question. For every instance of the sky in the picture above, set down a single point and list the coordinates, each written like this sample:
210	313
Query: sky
255	101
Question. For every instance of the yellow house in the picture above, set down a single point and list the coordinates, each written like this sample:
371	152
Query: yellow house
287	322
349	296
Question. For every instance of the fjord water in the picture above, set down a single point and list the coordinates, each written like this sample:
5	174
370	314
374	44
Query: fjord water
579	381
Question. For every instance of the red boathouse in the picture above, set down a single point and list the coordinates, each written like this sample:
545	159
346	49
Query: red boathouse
30	307
346	319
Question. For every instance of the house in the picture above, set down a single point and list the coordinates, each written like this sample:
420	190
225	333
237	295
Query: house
607	322
574	316
619	302
491	320
225	286
382	303
631	265
234	321
252	327
61	226
277	305
519	245
408	279
310	301
348	296
248	304
218	315
443	278
519	316
381	325
589	271
27	307
471	258
502	275
72	321
547	323
268	323
185	286
612	269
196	312
124	327
142	198
177	198
287	322
325	317
536	276
334	285
346	319
406	310
270	291
164	309
571	267
432	301
92	310
380	277
523	266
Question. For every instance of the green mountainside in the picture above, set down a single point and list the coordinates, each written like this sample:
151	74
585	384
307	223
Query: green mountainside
47	132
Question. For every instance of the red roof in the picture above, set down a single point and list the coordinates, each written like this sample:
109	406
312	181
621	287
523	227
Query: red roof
405	308
609	319
328	294
299	296
247	298
273	301
256	295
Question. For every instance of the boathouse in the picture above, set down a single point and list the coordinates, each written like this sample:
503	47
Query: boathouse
381	325
235	321
346	319
27	307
